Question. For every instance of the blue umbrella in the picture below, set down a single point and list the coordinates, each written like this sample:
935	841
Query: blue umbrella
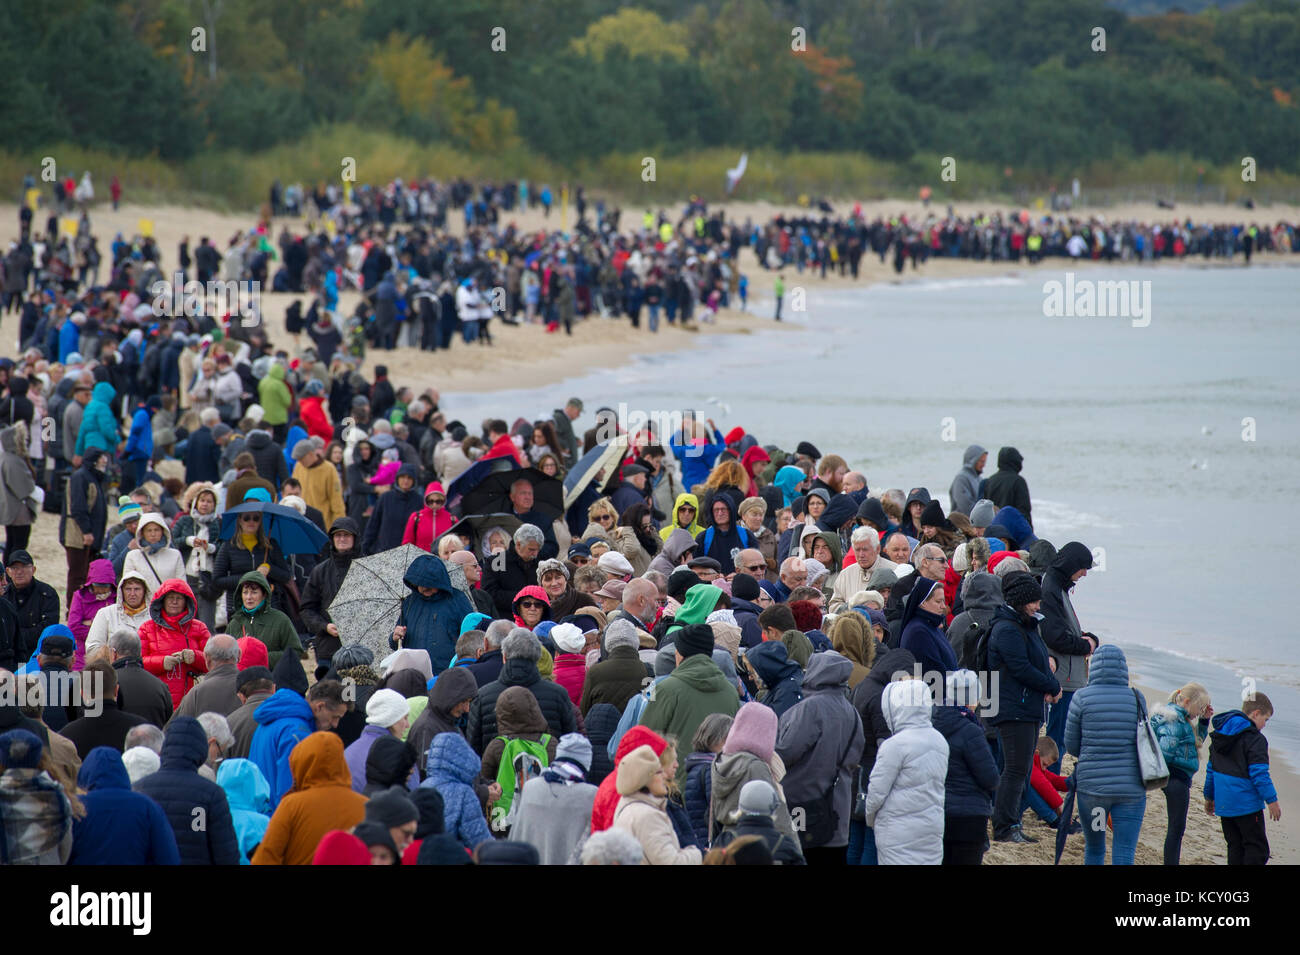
475	473
290	531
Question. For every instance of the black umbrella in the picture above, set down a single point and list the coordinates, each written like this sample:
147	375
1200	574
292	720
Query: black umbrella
476	525
492	494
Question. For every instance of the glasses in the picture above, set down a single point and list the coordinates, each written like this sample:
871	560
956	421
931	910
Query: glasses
530	604
756	566
435	500
250	519
686	507
942	560
604	517
647	526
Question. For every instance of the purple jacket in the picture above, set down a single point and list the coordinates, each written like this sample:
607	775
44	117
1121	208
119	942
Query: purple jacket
357	751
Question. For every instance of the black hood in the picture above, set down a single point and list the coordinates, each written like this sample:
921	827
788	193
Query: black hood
892	662
1072	558
289	674
257	440
1009	459
841	510
871	510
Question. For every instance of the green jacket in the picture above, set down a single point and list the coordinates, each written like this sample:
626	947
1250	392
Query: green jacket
680	702
273	395
267	624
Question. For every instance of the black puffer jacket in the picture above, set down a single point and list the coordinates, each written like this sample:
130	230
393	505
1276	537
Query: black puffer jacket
504	584
552	699
322	586
602	723
387	523
268	457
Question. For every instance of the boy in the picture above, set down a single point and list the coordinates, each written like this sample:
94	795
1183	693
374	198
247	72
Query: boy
1237	783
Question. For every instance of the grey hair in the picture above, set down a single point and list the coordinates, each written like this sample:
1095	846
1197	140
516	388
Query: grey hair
217	727
712	731
209	416
621	633
125	642
222	648
496	633
865	533
921	552
792	563
612	847
529	532
659	579
146	735
522	645
415	407
381	426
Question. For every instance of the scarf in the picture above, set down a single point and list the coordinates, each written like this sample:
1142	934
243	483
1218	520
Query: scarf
564	771
139	608
248	540
200	559
173	623
157	545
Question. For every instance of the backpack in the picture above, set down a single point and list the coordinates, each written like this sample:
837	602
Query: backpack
521	760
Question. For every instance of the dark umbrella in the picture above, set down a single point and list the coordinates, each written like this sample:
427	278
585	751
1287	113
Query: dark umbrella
475	525
472	475
291	532
492	494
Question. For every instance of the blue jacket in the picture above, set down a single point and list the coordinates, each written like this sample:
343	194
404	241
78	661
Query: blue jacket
433	623
1237	777
292	437
283	721
928	643
249	795
1179	740
120	827
452	768
1019	656
697	459
139	443
698	794
972	774
98	424
1101	729
1015	522
69	339
781	675
195	807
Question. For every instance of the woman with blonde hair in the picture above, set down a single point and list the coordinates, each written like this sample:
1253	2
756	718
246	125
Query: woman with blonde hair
601	517
727	477
1181	726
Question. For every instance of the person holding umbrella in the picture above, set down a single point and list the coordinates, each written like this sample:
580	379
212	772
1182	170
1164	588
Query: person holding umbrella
322	586
431	613
249	549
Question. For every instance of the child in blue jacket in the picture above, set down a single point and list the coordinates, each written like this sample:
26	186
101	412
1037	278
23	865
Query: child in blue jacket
1237	784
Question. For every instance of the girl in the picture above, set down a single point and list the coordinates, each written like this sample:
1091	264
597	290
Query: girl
1181	726
95	594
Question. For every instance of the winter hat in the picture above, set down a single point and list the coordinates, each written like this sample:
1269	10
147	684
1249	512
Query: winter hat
752	731
745	587
258	494
734	435
758	798
568	638
501	852
20	749
140	761
612	562
665	659
871	510
128	509
960	562
816	570
981	515
391	808
613	589
1020	588
1041	556
302	449
681	580
752	504
882	577
443	849
635	770
341	848
549	565
255	413
221	430
932	516
386	707
694	639
251	674
808	450
429	804
377	834
575	747
313	387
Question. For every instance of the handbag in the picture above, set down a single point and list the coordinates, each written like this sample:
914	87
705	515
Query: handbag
1151	762
859	813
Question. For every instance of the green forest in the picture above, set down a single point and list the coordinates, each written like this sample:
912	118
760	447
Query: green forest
543	85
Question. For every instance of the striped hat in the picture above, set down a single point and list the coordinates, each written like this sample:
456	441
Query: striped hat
127	509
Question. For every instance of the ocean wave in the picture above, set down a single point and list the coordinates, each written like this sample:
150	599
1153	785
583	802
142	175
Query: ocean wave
1057	516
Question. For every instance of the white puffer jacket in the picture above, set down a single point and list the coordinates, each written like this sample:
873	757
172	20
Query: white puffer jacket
108	620
905	795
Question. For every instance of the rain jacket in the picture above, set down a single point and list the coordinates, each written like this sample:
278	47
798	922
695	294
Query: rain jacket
695	526
265	623
518	717
451	687
283	721
719	544
701	600
316	418
158	639
423	527
120	827
181	792
162	565
905	795
552	699
972	774
274	397
681	701
1179	740
321	800
782	677
16	482
387	523
249	796
982	595
452	768
139	442
85	606
98	423
1237	776
1017	652
677	542
965	489
697	460
1101	730
356	753
432	623
1060	628
109	619
1006	488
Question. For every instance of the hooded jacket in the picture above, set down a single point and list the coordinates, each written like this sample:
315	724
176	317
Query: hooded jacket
249	797
518	717
121	827
965	489
85	605
697	459
113	617
502	585
157	566
85	509
316	418
554	817
718	544
701	600
694	690
552	699
615	680
536	593
867	699
729	774
98	423
1006	488
432	623
321	800
670	528
982	595
1237	778
423	527
905	796
452	686
387	524
139	441
283	721
1017	652
323	585
1101	728
1180	741
646	817
274	396
181	792
159	638
820	741
16	482
782	676
972	774
1060	628
357	752
268	457
322	489
452	768
265	623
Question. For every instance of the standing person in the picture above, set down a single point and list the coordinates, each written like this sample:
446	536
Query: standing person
1006	488
196	534
154	558
121	827
172	639
319	480
1238	786
18	507
96	594
1181	726
322	586
431	613
972	773
820	741
1025	682
36	815
256	618
642	810
1066	640
249	549
778	289
276	399
34	603
554	810
430	522
1099	731
85	516
965	489
563	419
129	610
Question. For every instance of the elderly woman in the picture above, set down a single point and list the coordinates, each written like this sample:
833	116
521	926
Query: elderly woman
751	512
508	572
553	576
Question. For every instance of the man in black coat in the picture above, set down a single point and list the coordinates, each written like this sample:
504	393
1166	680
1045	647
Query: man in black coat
513	569
387	523
202	453
138	690
268	456
487	668
521	505
322	586
1006	488
104	722
85	516
31	606
521	651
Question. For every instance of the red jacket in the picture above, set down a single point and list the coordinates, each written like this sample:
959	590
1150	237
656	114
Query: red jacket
602	809
159	639
537	593
1048	785
571	672
315	419
423	527
502	447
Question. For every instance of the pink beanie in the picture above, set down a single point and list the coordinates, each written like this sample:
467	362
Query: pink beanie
753	731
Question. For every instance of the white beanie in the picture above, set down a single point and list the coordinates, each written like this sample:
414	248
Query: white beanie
568	637
140	761
385	708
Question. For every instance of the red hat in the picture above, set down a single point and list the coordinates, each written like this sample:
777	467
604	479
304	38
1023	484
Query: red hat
995	559
734	435
252	653
341	848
